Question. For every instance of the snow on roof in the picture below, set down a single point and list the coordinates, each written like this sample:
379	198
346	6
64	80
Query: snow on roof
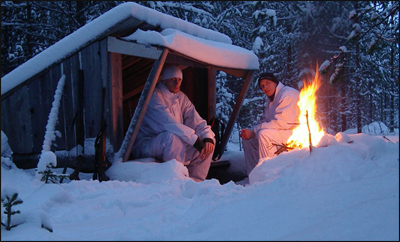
99	26
165	21
208	51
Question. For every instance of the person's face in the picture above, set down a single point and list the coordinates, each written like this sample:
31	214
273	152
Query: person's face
173	84
268	87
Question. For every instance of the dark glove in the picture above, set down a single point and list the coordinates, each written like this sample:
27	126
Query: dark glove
199	144
208	140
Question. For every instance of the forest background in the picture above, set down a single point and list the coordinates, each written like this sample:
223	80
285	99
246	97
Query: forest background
353	44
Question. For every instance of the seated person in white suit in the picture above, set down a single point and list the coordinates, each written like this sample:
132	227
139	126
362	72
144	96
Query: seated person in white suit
280	117
173	129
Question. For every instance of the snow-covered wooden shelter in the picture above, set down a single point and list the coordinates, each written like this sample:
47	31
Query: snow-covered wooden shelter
111	64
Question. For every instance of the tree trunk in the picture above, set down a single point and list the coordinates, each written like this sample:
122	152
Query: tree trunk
80	17
357	78
28	35
343	107
392	88
382	109
371	104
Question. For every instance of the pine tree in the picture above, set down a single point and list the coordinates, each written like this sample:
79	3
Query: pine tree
8	202
361	44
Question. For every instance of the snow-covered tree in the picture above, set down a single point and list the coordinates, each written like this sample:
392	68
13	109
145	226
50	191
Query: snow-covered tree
369	66
357	40
9	198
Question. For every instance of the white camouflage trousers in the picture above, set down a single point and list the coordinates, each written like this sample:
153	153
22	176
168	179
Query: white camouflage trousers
167	146
262	147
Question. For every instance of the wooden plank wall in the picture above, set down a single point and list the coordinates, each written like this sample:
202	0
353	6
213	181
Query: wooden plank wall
41	96
194	85
25	114
68	107
106	82
116	105
16	121
92	89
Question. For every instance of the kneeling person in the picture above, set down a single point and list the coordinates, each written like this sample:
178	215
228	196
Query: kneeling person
173	129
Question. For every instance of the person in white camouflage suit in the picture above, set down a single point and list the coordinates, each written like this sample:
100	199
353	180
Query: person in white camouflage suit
280	117
173	129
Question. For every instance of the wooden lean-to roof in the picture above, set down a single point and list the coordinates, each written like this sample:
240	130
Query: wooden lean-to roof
123	20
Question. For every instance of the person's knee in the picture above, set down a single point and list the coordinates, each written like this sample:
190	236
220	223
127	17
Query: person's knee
264	134
265	139
169	138
168	146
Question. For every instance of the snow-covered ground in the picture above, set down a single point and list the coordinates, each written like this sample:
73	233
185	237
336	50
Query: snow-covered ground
339	191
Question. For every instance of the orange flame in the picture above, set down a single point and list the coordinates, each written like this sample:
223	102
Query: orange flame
307	104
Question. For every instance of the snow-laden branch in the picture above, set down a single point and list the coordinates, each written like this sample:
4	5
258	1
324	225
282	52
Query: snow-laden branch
50	134
53	116
187	8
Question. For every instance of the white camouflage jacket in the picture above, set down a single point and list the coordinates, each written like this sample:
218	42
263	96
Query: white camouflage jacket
282	113
173	112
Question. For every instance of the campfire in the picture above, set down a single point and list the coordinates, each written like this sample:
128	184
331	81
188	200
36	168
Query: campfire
308	132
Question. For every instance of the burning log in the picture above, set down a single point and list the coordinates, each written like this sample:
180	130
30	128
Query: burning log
309	131
291	145
282	147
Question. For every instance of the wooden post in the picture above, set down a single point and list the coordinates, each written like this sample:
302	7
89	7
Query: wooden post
100	146
212	89
140	110
116	101
236	109
79	130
